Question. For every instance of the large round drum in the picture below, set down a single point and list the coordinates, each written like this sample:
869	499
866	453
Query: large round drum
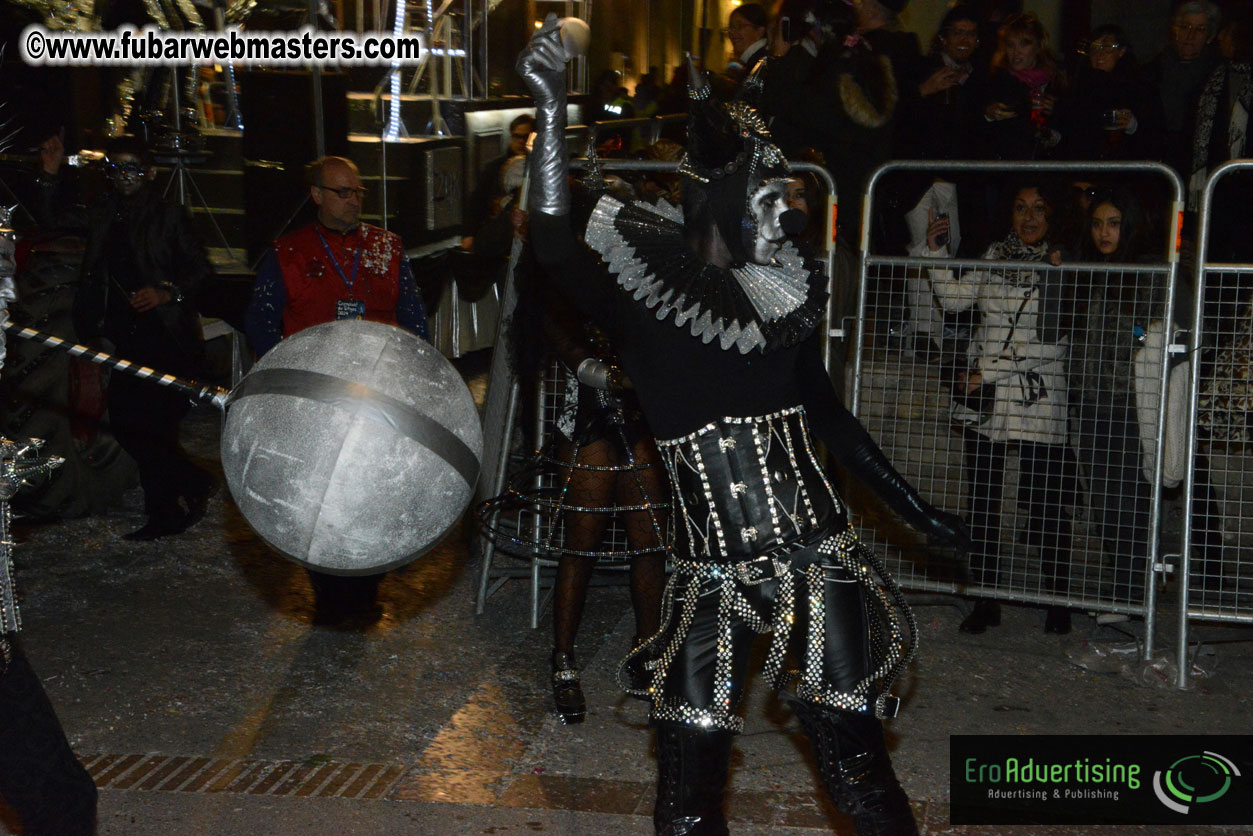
352	447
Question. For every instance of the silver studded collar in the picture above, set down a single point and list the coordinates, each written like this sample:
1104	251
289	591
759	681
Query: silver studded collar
748	306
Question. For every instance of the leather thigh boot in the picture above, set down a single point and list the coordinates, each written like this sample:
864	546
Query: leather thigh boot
40	778
691	777
856	771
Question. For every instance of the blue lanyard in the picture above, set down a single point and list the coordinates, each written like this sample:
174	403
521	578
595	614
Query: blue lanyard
335	262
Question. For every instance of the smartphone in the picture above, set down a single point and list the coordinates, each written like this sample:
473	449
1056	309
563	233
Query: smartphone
942	238
785	29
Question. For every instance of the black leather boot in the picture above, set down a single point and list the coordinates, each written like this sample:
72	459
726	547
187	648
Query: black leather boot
1057	620
856	771
985	614
637	670
691	776
567	690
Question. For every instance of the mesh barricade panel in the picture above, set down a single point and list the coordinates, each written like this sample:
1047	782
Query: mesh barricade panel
1060	511
1222	495
1028	398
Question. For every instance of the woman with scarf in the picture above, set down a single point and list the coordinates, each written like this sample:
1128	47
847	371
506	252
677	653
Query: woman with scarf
714	315
1022	94
1014	394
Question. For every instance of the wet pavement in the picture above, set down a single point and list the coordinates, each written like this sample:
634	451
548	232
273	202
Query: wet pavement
190	681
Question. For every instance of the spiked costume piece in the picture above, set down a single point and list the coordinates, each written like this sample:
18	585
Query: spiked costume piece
714	317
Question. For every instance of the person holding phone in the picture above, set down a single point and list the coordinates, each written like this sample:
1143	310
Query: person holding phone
1012	397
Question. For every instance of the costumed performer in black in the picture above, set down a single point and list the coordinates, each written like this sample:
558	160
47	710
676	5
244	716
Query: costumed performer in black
609	465
40	778
714	318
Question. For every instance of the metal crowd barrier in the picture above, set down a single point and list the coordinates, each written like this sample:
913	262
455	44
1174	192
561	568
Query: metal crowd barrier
906	391
503	456
1215	583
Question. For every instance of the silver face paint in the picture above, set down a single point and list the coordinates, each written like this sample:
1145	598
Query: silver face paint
768	202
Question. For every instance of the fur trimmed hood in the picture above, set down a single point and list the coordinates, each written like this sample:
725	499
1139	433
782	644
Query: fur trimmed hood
857	102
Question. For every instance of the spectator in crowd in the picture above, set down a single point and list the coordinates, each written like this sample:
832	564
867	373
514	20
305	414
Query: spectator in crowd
490	192
943	112
845	111
335	268
609	102
795	37
646	100
941	119
1179	72
846	108
877	24
660	185
1115	392
1221	134
1222	111
1022	93
1116	117
805	195
1109	306
1014	392
142	266
746	31
673	99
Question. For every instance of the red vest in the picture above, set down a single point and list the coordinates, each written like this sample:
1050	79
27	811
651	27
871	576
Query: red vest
314	285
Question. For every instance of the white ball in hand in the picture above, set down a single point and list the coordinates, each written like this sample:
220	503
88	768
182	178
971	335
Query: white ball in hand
575	36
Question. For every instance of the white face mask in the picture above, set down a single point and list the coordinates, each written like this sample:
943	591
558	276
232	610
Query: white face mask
768	202
769	206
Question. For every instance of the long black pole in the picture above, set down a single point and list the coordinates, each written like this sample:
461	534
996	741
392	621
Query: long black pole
200	392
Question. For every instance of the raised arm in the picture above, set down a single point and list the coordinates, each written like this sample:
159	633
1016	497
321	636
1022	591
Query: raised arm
570	266
542	65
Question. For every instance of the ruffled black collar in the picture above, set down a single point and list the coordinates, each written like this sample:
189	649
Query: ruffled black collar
748	306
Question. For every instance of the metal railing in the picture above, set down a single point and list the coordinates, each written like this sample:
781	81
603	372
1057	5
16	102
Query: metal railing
1074	419
1218	504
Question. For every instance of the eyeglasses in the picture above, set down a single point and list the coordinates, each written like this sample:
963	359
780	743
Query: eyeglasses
345	192
126	170
726	30
1190	30
1102	49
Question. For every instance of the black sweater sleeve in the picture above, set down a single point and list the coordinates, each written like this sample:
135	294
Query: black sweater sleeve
573	270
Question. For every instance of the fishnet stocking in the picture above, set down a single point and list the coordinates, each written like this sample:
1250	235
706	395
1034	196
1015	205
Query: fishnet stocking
584	531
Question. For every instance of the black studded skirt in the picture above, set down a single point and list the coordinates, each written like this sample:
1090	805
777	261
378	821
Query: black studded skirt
763	546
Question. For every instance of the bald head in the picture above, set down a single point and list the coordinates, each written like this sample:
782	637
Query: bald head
336	190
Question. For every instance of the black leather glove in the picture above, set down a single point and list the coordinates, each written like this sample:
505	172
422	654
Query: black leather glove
866	461
542	65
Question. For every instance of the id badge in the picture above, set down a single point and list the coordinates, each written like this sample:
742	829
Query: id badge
349	309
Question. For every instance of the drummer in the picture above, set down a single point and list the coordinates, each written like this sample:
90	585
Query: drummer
335	268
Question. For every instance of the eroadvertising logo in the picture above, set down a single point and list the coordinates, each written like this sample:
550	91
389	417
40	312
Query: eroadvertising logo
1100	779
1211	775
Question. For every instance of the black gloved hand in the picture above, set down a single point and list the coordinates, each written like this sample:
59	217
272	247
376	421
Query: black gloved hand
946	529
542	65
866	461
